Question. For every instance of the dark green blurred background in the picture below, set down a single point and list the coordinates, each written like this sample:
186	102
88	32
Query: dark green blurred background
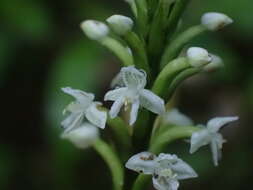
43	49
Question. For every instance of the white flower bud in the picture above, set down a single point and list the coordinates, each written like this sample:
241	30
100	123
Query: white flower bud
95	30
198	56
82	137
215	21
215	64
120	24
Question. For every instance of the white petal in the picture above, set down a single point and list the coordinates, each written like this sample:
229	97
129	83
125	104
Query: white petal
183	170
143	162
81	96
163	183
180	168
175	117
215	124
152	102
134	78
74	107
73	121
83	136
134	112
117	81
116	106
198	139
95	116
113	95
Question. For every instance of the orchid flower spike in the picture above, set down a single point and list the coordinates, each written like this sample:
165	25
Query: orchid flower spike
83	107
166	169
215	21
175	117
210	135
82	137
133	94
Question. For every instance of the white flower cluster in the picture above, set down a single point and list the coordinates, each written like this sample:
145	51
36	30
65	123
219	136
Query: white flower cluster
85	113
86	116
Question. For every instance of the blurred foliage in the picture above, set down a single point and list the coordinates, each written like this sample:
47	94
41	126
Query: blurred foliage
42	49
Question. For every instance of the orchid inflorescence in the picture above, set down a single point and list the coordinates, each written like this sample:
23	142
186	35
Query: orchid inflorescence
154	64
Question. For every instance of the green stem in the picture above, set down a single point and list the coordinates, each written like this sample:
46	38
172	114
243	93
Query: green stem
121	130
119	50
175	47
142	182
139	51
168	73
175	15
179	79
174	133
113	162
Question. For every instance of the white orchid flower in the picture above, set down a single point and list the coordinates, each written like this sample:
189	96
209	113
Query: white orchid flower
82	108
175	117
133	94
210	135
166	169
83	136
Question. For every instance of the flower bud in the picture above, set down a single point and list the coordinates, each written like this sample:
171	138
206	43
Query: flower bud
120	24
83	136
198	56
216	63
95	30
215	21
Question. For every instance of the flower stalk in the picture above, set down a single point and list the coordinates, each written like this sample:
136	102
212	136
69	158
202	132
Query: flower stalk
113	162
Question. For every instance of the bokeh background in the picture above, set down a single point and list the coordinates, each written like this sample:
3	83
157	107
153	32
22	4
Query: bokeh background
43	49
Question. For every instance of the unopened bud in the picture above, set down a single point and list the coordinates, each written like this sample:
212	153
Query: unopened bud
120	24
215	21
198	56
83	136
95	30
